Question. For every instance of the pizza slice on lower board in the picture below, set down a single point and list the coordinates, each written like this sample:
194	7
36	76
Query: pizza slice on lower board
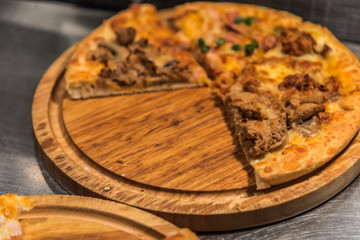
11	206
131	52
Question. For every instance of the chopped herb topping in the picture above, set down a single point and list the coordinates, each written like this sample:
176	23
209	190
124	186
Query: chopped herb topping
203	47
201	42
249	20
249	48
255	44
238	20
236	47
220	42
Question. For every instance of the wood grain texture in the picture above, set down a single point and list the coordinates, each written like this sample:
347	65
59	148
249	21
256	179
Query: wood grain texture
89	147
175	139
75	217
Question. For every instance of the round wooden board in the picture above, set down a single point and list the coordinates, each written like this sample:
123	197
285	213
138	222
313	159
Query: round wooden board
170	153
76	217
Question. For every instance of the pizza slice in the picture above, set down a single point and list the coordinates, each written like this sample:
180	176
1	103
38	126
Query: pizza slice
11	206
294	113
131	52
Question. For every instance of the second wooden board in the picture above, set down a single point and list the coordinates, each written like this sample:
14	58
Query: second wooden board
76	217
170	153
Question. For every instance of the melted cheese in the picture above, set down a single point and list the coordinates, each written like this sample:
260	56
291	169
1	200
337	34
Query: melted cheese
333	107
191	24
276	70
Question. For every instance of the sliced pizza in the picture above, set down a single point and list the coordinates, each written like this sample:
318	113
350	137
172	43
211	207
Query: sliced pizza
11	206
290	88
131	52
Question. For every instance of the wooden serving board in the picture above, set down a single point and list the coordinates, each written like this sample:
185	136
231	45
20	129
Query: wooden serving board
170	153
76	217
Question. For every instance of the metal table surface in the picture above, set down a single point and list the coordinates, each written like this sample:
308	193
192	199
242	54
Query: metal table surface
32	36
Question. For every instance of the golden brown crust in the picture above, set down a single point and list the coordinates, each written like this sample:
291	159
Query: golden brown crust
298	158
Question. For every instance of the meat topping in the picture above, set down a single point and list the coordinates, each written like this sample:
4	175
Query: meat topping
125	36
107	47
300	82
108	51
269	42
251	85
331	88
301	106
139	68
305	97
101	54
289	81
302	112
259	120
296	98
260	137
306	84
252	106
295	42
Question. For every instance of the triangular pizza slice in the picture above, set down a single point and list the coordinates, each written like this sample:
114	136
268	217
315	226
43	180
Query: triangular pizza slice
131	52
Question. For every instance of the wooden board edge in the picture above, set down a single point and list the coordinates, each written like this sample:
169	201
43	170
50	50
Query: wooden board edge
120	216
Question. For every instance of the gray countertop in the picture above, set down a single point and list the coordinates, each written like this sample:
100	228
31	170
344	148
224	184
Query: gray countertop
32	35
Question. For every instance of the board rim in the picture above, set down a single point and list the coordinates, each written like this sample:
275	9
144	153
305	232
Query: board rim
228	210
112	213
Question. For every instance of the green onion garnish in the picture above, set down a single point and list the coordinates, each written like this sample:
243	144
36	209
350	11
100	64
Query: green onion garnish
238	20
201	42
249	20
236	47
203	47
249	48
220	42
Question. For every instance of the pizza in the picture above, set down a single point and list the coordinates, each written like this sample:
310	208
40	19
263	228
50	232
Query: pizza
290	88
11	206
